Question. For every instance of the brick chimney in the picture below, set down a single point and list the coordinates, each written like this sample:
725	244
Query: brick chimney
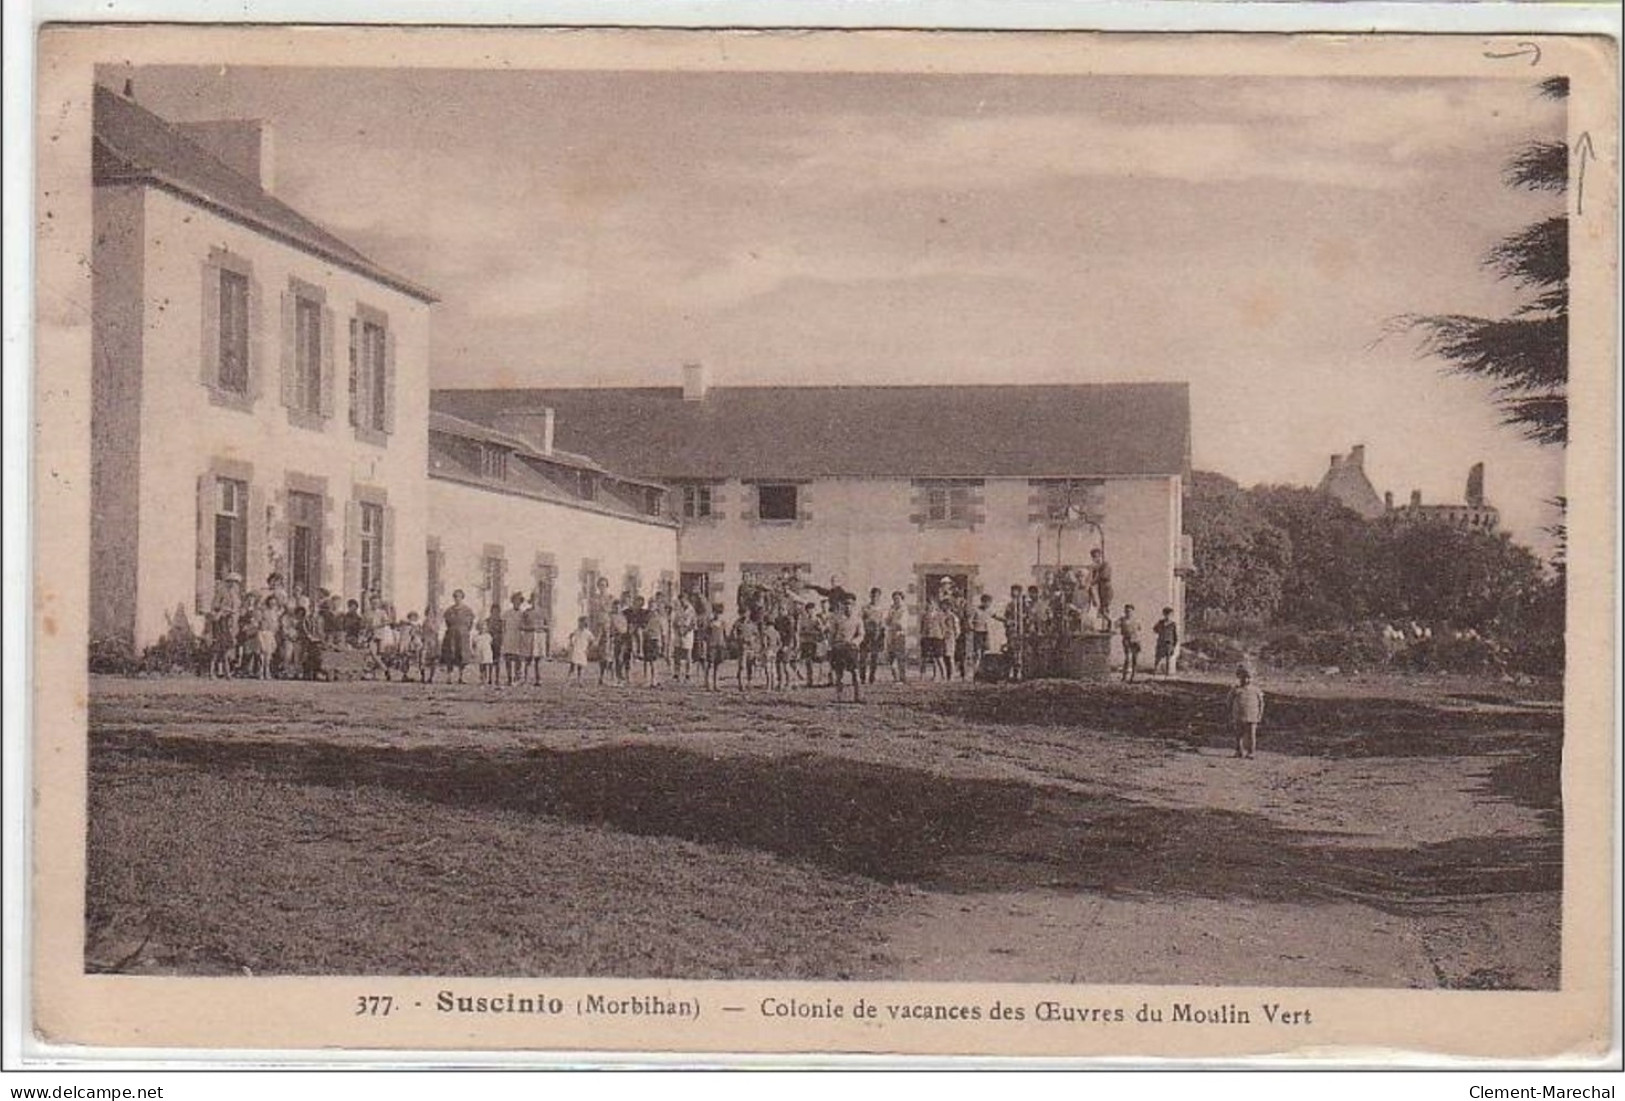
1388	501
696	381
533	424
1416	498
244	145
1357	456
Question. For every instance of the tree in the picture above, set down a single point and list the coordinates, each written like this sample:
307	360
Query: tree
1526	355
1242	560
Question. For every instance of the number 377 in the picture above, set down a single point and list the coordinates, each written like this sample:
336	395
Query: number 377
374	1005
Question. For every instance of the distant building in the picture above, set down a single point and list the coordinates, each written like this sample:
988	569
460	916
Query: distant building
1345	481
1476	513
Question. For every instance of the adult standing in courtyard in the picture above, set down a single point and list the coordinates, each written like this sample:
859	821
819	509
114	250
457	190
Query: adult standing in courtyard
457	643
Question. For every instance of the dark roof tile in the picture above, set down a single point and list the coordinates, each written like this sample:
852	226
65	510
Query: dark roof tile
864	431
134	145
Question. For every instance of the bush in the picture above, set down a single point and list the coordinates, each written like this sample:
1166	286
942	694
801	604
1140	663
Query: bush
113	655
1444	653
175	653
1360	646
1206	652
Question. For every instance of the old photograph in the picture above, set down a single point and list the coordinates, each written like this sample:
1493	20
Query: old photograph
895	530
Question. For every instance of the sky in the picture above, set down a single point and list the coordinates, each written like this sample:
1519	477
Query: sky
1252	236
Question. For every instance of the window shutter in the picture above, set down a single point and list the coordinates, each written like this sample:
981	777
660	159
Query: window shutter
329	365
290	384
386	568
209	361
259	537
205	544
355	374
329	558
256	339
352	549
389	380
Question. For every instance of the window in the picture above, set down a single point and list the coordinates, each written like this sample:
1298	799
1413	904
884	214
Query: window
696	502
304	541
369	374
1072	501
586	485
432	573
653	499
372	548
494	462
776	502
494	576
233	351
307	352
947	504
230	528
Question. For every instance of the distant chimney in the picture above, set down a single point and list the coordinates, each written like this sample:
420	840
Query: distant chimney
1416	498
696	381
533	425
1475	486
1337	461
1357	456
243	145
129	88
1388	501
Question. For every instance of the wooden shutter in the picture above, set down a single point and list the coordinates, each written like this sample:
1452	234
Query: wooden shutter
389	380
258	535
256	339
329	365
352	549
205	544
386	567
209	359
290	355
355	374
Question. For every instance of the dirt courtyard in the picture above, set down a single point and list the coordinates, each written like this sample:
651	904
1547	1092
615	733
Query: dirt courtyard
1391	833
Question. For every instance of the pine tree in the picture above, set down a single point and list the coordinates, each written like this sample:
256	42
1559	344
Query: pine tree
1525	355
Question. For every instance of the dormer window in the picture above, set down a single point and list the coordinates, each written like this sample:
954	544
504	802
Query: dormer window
587	485
494	462
653	500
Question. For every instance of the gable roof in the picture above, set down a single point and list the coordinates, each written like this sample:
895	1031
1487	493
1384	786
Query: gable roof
797	432
133	145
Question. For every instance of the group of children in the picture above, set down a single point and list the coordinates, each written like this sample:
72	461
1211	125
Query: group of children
284	633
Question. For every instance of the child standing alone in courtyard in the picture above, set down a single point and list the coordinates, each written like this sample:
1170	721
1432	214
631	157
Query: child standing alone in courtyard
1246	712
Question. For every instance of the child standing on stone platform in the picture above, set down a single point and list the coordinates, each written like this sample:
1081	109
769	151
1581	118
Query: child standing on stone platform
1246	712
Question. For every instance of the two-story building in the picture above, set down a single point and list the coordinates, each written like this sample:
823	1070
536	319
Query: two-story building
895	486
260	404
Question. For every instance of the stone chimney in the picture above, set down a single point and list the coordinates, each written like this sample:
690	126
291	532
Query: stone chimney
696	381
1388	501
244	145
1475	486
1416	498
534	425
1357	456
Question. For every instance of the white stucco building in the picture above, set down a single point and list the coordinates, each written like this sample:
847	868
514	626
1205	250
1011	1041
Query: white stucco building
260	402
896	487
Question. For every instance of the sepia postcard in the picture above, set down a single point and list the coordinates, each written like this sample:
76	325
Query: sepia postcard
708	543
